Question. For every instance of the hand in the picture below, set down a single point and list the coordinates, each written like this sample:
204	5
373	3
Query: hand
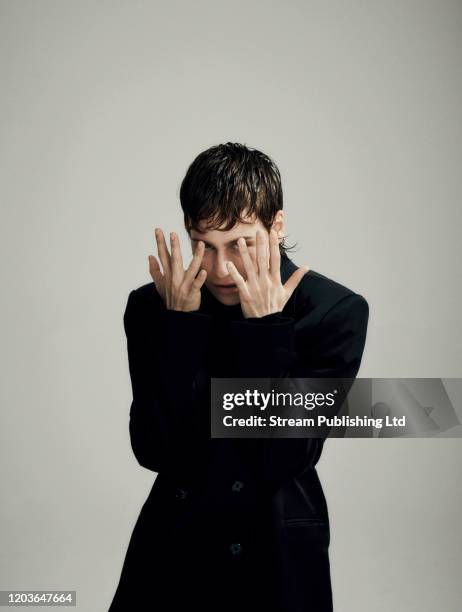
263	293
179	289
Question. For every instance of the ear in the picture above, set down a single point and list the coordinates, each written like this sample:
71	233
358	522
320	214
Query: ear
278	224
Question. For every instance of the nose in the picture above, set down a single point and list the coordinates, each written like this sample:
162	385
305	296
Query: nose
221	271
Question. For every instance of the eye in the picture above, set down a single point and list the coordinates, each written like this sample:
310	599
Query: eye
235	245
208	247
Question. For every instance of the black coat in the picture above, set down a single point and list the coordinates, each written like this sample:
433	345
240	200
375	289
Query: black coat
231	524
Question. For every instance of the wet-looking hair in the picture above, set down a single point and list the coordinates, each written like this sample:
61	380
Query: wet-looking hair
229	183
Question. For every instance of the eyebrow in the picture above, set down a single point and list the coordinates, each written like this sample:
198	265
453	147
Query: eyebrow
230	242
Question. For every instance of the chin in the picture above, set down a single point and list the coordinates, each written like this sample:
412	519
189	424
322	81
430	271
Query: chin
227	300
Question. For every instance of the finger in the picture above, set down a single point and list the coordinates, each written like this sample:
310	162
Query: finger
164	255
294	280
275	256
247	261
237	278
177	259
262	248
196	261
199	280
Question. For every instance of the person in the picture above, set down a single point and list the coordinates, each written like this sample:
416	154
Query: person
230	524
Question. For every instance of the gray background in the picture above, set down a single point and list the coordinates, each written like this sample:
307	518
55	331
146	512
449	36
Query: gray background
103	106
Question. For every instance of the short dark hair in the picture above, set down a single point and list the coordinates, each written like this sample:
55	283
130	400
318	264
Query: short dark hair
228	183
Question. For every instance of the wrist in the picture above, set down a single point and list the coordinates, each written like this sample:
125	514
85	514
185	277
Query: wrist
262	316
180	309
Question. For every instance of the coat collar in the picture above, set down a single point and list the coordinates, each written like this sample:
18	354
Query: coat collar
287	268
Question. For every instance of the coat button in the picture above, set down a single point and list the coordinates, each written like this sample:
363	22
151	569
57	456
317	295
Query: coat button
237	486
236	549
180	493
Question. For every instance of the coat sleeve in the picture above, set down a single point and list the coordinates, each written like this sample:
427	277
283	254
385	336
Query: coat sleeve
277	346
165	348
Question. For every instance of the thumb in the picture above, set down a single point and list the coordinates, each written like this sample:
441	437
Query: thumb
155	271
292	283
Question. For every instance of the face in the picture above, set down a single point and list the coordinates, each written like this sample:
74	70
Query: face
222	246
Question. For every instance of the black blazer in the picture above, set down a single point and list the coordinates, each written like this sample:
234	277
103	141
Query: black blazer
231	524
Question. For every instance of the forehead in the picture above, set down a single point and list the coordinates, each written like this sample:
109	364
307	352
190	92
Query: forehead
249	227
